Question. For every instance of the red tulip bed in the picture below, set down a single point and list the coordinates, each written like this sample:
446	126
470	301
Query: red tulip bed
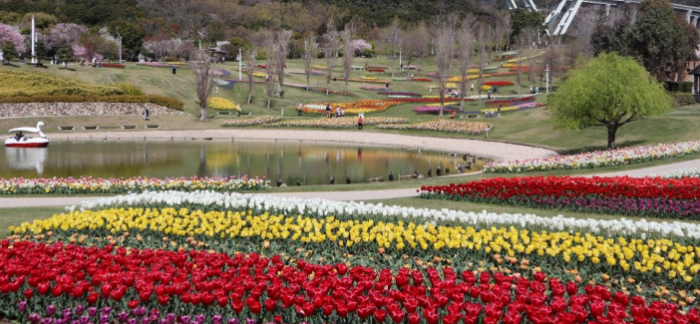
498	83
509	101
651	196
60	284
422	79
111	65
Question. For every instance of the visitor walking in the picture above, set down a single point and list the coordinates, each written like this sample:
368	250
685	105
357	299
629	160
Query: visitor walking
387	87
472	86
145	114
328	110
299	109
488	130
360	121
337	112
499	111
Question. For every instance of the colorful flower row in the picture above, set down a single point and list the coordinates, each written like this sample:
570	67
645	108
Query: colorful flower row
434	110
219	73
375	70
353	107
683	173
372	88
440	125
597	159
365	80
226	84
260	288
520	106
667	262
340	93
253	121
367	77
163	65
112	65
344	210
89	185
319	66
342	122
259	74
221	103
422	79
509	101
499	83
397	93
654	197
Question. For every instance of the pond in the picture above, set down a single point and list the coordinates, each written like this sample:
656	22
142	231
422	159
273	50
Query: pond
288	162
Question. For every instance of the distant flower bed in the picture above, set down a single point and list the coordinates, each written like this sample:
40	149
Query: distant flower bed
597	159
372	88
499	83
259	74
342	122
111	65
353	107
319	66
89	185
157	64
422	79
433	110
503	74
364	80
260	120
509	101
340	93
261	66
395	93
400	79
367	77
376	70
440	125
412	67
219	73
220	103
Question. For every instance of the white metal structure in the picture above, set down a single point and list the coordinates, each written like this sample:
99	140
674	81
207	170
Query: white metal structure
559	20
24	141
34	60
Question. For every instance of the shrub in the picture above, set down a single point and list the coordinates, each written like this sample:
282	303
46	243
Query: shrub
129	89
683	99
171	59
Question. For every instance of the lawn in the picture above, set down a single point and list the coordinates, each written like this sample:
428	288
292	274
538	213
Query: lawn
531	127
15	216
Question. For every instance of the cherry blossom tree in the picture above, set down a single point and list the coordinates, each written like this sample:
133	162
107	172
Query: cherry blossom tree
65	34
361	45
12	35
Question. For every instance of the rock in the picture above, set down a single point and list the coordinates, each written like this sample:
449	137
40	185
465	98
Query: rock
43	109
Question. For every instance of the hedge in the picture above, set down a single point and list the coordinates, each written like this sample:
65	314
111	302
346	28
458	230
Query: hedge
683	99
673	86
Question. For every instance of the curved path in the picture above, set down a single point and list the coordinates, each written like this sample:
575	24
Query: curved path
493	150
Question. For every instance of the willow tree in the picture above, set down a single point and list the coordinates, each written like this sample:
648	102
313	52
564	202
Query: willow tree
610	91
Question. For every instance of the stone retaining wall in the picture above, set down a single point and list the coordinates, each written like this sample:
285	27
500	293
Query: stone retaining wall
53	109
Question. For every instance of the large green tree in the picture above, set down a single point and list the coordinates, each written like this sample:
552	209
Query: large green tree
660	40
610	91
522	19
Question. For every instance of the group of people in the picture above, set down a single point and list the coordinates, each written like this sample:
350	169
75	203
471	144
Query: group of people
534	90
339	112
19	136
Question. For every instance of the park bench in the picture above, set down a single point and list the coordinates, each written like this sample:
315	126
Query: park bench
152	126
129	126
91	127
66	128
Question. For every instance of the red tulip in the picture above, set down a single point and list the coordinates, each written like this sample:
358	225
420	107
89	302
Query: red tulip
254	305
413	318
43	288
163	300
28	293
430	315
270	305
92	297
237	306
132	304
379	315
365	310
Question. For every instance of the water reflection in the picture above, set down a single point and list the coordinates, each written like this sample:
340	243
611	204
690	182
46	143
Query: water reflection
291	163
26	158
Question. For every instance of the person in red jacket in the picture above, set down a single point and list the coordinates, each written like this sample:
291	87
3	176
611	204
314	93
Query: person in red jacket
359	122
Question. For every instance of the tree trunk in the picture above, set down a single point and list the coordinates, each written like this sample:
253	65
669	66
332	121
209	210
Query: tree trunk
250	97
612	130
203	113
442	99
268	102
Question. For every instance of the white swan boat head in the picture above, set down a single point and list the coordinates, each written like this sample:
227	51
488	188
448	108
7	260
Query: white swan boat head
22	140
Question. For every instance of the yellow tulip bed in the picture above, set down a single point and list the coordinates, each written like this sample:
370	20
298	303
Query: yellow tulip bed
220	103
447	126
352	107
253	121
664	261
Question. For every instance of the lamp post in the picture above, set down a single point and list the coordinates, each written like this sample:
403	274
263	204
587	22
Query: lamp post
33	40
546	71
119	38
240	64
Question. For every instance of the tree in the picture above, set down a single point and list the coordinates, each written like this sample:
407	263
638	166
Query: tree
331	45
659	40
281	53
607	38
521	19
65	34
348	53
10	35
252	53
483	58
42	20
627	94
465	38
204	82
393	37
310	54
131	35
444	46
10	18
